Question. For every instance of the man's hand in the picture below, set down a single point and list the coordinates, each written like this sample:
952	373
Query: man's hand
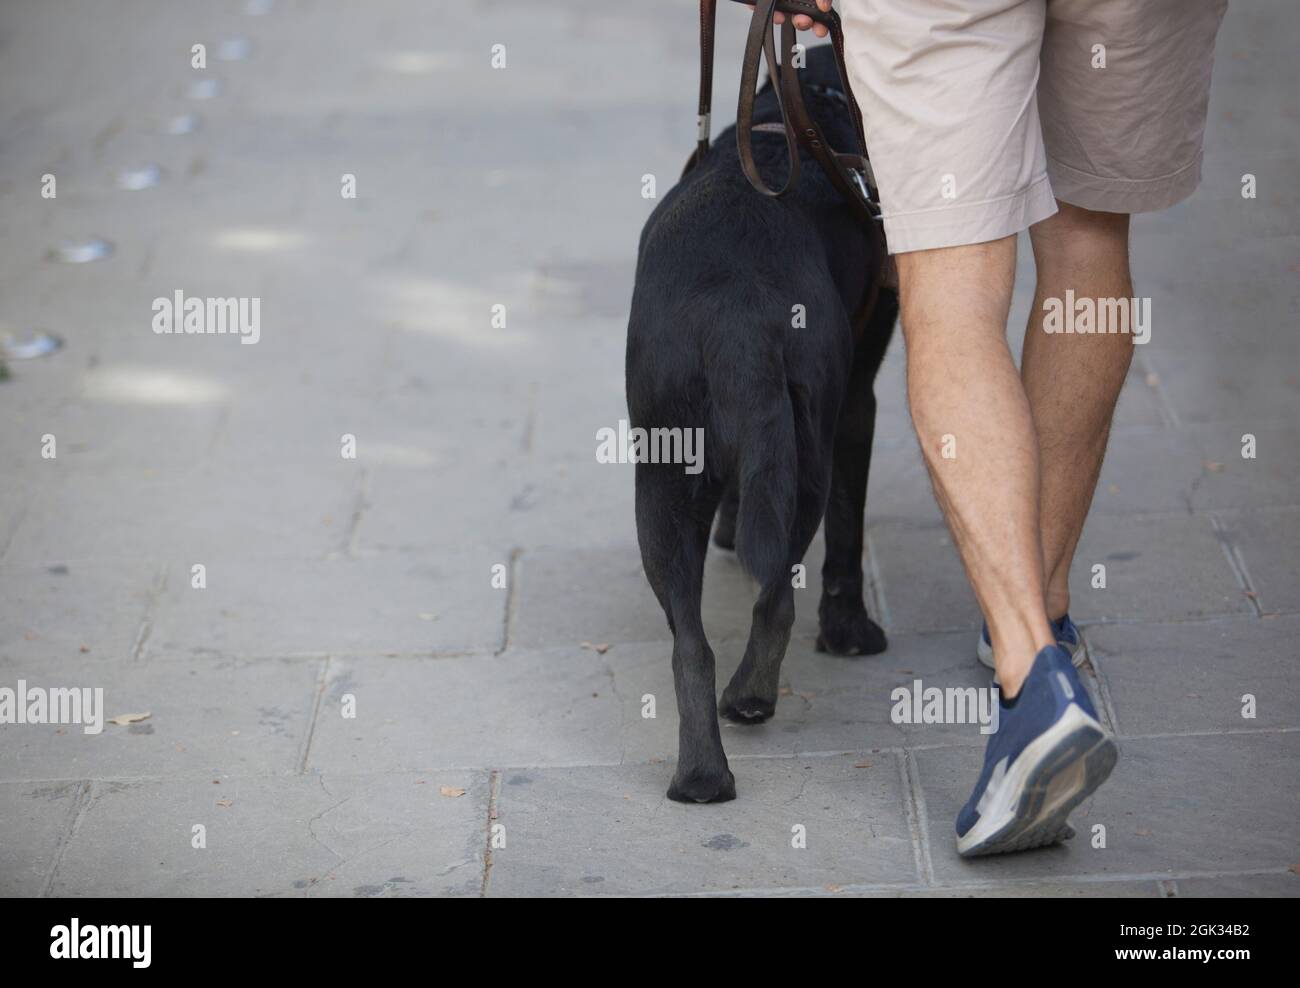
803	22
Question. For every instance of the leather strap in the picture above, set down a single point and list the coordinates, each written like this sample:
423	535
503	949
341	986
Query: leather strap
850	173
760	40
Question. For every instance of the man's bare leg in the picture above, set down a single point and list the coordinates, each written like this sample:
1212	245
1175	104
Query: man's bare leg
967	400
1073	381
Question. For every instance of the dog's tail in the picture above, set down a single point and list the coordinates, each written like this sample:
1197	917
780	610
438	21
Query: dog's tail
764	459
768	482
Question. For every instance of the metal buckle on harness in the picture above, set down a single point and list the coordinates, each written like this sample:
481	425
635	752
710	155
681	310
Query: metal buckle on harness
861	183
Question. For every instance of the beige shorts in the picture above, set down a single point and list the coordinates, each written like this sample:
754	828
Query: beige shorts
980	114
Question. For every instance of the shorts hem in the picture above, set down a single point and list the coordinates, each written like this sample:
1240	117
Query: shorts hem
1123	195
970	223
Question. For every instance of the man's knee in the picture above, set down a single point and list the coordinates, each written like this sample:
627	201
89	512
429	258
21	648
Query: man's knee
968	285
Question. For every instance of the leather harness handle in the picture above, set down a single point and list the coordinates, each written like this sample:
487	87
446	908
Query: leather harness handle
760	40
849	173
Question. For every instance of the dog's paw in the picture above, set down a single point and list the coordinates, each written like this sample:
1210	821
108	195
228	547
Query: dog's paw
746	709
699	787
849	631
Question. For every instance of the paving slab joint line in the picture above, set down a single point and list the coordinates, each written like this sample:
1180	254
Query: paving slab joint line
86	791
1224	617
917	818
508	620
223	418
321	680
359	505
494	794
17	522
436	653
530	424
978	885
1222	732
145	628
1218	617
1103	689
147	259
1235	560
653	762
622	711
876	585
1151	374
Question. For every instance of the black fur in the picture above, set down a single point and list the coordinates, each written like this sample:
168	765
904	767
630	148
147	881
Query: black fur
787	413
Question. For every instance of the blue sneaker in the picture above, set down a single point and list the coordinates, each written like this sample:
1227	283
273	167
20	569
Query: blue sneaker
1067	636
1048	755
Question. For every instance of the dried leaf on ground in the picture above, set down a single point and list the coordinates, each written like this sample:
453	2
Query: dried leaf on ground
121	720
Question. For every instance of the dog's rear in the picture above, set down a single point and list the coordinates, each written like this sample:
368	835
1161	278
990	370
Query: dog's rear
740	328
717	341
721	339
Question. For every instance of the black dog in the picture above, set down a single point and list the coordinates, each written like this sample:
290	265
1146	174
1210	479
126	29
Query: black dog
716	342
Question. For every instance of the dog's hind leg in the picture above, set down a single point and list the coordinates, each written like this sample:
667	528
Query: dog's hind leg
724	530
673	515
845	628
750	697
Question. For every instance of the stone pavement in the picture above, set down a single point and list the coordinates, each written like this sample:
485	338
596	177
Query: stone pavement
333	582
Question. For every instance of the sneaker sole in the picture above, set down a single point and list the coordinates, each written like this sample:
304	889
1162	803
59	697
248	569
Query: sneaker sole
1052	776
984	652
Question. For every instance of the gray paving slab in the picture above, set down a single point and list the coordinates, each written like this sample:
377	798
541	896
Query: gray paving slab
13	506
551	580
1280	886
1229	480
908	557
546	707
147	513
1146	470
898	487
1157	568
1222	381
391	604
206	718
174	437
569	831
420	503
60	611
1045	890
34	816
387	836
1269	546
1140	402
1194	676
971	890
449	433
1200	306
1196	804
560	505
